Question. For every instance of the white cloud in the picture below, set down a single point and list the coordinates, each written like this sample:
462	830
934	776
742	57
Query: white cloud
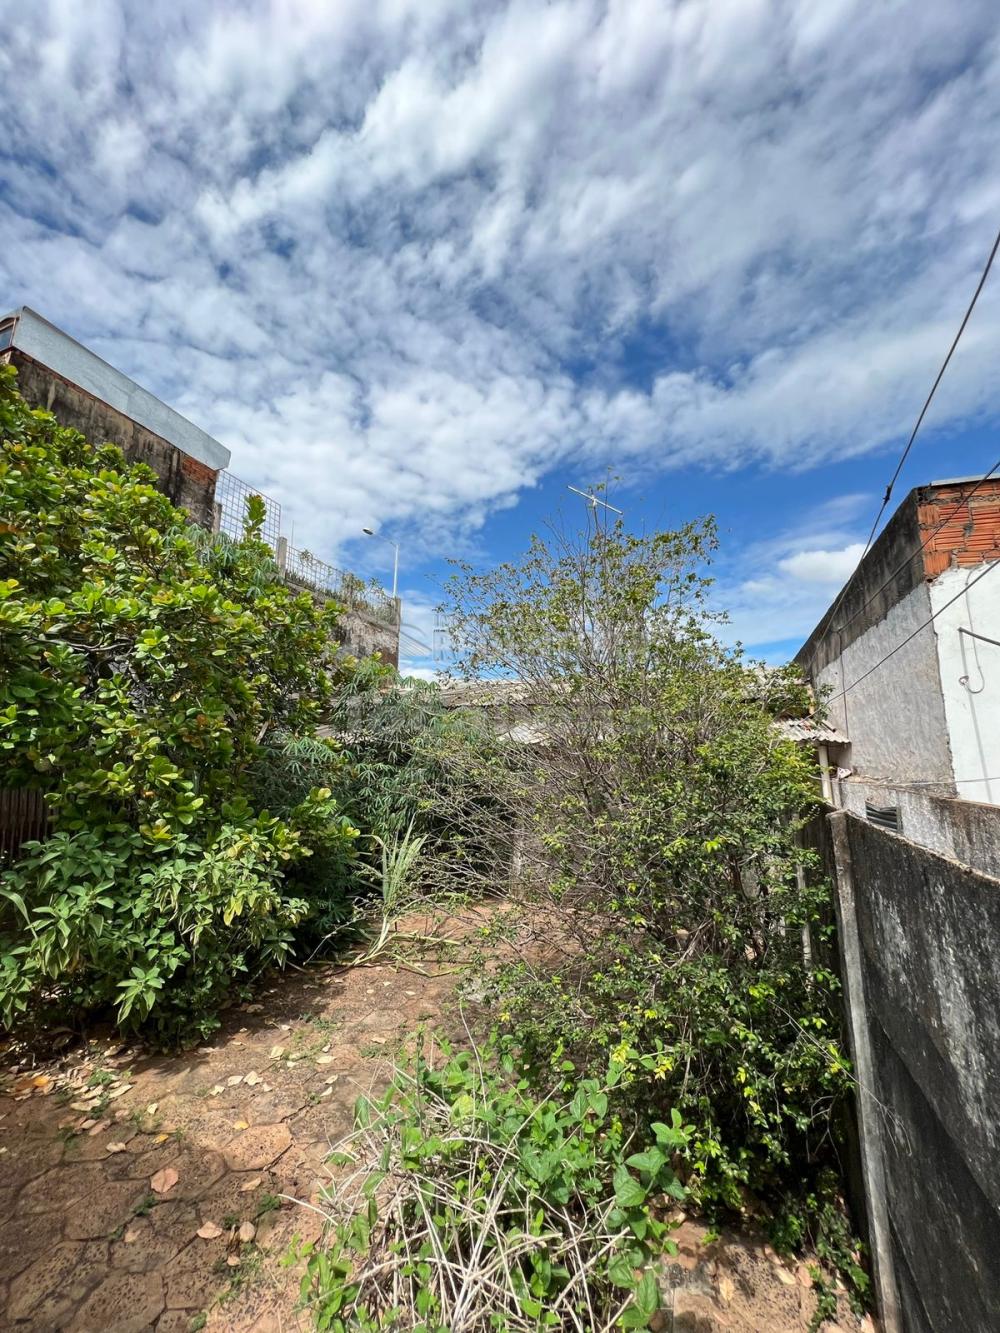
777	589
823	567
395	253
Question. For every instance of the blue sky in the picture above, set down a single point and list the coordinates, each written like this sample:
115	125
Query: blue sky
421	263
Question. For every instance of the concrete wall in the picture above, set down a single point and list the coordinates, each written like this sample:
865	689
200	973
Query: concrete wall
187	481
364	635
921	971
49	346
970	676
895	718
966	831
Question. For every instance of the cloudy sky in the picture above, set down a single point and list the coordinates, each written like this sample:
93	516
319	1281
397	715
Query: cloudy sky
421	263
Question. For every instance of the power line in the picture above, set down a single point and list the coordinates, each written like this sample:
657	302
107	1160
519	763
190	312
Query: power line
929	538
892	652
937	381
919	422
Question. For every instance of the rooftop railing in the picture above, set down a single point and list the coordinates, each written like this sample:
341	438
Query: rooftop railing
301	568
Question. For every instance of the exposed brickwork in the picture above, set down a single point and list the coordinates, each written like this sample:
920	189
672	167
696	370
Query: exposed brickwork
186	481
972	532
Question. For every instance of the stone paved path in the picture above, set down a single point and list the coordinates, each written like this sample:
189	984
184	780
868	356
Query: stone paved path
142	1192
151	1199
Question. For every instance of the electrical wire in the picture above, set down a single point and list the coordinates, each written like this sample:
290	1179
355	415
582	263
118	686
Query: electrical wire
940	375
923	545
919	422
892	652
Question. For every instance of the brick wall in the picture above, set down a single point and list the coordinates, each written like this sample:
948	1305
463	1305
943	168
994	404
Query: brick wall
970	535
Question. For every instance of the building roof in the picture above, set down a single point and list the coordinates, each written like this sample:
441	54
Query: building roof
810	729
43	342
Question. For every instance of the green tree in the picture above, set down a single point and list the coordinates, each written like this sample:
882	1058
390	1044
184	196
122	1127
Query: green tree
656	810
144	664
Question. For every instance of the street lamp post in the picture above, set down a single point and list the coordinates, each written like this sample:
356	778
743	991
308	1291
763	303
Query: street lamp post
370	532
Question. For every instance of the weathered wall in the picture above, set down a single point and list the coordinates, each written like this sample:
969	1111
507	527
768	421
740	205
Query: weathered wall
924	988
364	635
186	481
895	717
970	675
966	831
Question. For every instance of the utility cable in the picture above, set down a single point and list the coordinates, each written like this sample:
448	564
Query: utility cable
923	545
940	375
919	422
892	652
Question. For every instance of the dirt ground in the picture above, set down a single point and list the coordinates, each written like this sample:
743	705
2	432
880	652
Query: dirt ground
147	1192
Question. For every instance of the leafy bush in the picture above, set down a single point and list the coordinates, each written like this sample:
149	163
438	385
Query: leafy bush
683	926
410	763
468	1202
143	665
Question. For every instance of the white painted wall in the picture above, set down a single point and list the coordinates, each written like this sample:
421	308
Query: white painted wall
970	677
895	718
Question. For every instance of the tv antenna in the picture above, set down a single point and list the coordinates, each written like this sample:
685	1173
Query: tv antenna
594	500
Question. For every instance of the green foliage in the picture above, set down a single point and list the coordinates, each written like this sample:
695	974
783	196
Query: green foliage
659	834
410	763
143	665
474	1203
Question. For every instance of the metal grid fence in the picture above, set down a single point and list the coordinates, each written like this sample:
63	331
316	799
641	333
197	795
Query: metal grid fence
307	571
231	495
299	567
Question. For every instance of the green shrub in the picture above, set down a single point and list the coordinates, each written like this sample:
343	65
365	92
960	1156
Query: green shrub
143	666
682	928
466	1201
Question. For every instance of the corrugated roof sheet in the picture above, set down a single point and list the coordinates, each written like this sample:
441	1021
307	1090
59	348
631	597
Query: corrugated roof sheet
810	729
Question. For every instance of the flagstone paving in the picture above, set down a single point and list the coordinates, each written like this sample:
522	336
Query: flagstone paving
141	1191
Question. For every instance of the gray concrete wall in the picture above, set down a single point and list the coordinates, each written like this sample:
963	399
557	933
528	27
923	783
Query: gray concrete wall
966	831
921	968
895	717
187	481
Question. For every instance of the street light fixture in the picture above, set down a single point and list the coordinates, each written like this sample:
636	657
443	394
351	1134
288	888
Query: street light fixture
370	532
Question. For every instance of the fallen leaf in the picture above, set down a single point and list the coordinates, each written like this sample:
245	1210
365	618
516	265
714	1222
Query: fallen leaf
164	1181
251	1184
151	1108
132	1234
784	1275
332	1079
241	1124
99	1128
87	1124
324	1059
214	1092
727	1289
276	1052
210	1231
233	1260
116	1147
161	1138
254	1008
120	1092
247	1232
233	1080
253	1078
